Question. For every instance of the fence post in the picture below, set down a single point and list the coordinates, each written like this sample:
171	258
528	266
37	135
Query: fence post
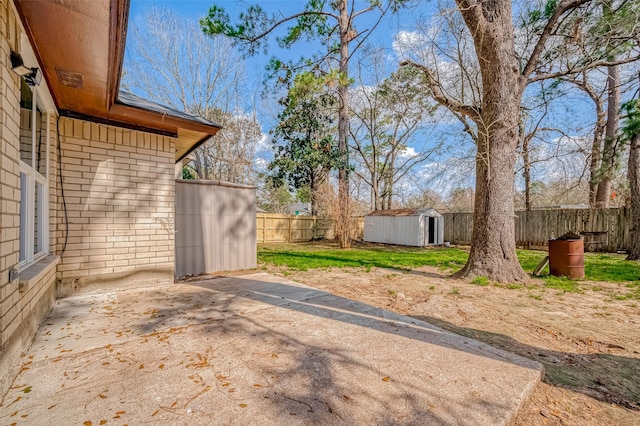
290	218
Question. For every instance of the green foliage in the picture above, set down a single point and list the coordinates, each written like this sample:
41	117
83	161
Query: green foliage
603	30
631	113
304	148
252	23
188	173
274	196
481	281
598	266
303	194
549	8
304	257
562	283
317	20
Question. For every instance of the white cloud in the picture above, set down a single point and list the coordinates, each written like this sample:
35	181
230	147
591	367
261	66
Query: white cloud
408	152
264	143
406	43
260	164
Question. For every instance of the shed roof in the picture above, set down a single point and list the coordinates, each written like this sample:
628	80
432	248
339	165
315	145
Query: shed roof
406	212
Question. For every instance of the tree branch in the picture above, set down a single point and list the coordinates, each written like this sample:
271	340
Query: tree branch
287	19
439	96
471	11
547	31
360	12
582	69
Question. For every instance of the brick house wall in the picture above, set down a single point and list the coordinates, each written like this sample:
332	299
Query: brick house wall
119	193
24	301
119	221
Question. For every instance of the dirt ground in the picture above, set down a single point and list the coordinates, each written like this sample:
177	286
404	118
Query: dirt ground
589	342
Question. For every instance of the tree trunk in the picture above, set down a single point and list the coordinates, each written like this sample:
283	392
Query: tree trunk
313	195
609	153
596	152
375	195
343	226
493	245
633	174
390	176
526	173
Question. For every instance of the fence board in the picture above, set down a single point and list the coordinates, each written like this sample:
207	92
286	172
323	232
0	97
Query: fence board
282	228
536	227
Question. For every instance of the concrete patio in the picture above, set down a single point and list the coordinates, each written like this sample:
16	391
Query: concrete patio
255	349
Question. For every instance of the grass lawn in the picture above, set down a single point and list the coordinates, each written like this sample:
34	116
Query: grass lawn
313	256
598	266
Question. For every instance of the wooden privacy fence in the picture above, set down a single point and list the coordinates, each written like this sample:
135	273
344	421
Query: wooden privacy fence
603	229
283	228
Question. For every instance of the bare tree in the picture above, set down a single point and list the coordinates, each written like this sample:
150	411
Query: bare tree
386	117
169	60
505	74
333	23
585	83
229	155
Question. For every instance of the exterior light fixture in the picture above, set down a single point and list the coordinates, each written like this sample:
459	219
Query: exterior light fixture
33	76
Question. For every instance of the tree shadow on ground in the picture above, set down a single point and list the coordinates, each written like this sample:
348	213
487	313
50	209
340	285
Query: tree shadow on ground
291	350
603	376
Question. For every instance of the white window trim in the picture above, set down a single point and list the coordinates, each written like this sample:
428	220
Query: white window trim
33	177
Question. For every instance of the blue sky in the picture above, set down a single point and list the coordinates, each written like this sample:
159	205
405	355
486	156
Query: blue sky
196	9
576	109
384	36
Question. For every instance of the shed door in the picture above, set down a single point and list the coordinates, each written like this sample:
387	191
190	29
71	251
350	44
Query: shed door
432	230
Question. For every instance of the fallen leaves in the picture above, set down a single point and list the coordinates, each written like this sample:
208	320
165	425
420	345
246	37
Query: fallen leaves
201	363
14	401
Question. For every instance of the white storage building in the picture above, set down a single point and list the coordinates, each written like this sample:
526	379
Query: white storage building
407	227
215	227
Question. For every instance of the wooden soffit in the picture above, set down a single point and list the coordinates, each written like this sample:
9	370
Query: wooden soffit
80	47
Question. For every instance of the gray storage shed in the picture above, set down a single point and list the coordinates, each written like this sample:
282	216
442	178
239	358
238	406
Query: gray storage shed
406	227
215	227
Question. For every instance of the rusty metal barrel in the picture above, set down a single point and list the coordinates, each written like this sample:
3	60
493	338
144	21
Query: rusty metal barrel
566	258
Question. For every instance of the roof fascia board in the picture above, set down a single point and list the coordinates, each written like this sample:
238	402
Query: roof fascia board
117	123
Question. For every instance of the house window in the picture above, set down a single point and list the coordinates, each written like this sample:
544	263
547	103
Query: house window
34	169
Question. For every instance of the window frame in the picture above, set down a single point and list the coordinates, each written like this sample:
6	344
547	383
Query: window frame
33	177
